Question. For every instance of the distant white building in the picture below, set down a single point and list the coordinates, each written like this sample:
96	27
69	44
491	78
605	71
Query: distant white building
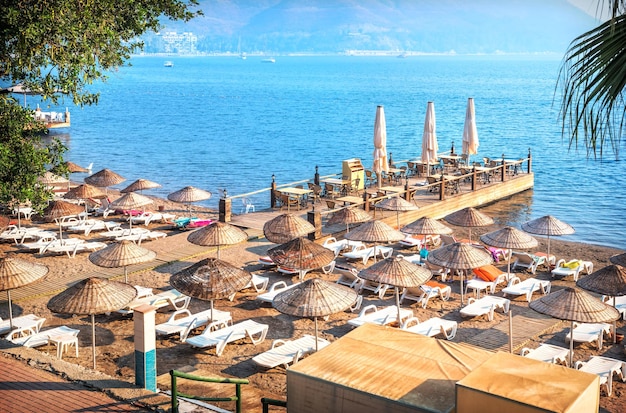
184	43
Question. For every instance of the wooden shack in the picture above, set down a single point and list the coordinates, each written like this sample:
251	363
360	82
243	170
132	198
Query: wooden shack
378	369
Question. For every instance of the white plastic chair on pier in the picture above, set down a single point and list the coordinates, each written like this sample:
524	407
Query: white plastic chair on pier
285	352
247	206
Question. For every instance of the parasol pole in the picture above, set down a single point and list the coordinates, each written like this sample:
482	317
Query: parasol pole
470	235
218	251
614	324
462	295
315	319
398	304
11	310
126	274
571	343
211	310
548	258
511	330
93	339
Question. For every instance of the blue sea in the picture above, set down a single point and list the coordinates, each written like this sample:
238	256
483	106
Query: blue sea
224	122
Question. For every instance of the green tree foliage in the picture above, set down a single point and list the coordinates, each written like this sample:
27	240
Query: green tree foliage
593	78
58	48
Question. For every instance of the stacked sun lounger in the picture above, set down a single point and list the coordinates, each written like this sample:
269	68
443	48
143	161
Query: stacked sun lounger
285	352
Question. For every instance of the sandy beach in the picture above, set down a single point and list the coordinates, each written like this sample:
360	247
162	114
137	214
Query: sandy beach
115	332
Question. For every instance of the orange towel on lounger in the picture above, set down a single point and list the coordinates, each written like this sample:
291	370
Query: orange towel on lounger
487	272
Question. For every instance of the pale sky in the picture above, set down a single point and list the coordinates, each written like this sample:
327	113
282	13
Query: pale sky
593	7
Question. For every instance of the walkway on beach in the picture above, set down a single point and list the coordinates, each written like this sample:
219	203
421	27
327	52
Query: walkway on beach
25	389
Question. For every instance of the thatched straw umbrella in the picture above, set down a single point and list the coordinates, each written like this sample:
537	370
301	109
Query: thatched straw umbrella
93	296
286	227
548	225
469	218
121	254
509	238
375	231
301	254
16	273
217	234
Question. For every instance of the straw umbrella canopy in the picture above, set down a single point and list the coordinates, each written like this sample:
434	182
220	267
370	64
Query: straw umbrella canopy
609	280
469	217
460	256
16	273
140	185
619	259
286	227
4	222
509	238
398	272
470	133
430	147
210	279
121	254
50	178
380	145
315	298
301	254
188	195
130	201
396	203
374	231
94	295
548	225
84	192
217	234
75	168
426	226
104	179
349	216
60	209
573	304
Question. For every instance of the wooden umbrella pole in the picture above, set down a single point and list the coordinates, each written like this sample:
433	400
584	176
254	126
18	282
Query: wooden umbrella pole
93	339
571	344
126	274
510	331
398	304
11	310
315	319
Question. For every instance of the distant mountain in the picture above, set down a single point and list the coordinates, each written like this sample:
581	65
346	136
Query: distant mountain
429	26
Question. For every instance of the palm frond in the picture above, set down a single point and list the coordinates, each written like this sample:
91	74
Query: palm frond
593	78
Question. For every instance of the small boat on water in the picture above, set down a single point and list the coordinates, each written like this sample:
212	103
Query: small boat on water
168	63
269	60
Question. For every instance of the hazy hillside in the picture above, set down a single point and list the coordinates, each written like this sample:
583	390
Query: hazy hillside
475	26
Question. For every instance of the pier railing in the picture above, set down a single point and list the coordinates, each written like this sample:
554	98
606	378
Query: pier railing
442	185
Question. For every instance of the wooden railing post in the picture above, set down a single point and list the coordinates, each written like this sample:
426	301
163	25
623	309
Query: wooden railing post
407	193
503	171
316	178
225	208
366	201
273	193
442	188
474	178
530	161
315	218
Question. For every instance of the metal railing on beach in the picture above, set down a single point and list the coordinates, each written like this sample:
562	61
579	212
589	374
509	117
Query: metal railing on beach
176	394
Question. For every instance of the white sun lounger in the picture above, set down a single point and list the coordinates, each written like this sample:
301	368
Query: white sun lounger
431	327
72	248
479	285
219	334
173	298
547	353
147	217
275	288
287	352
365	253
589	332
92	225
24	322
528	261
586	266
424	293
30	338
605	368
145	236
383	316
485	306
182	320
337	246
258	282
526	287
19	235
620	303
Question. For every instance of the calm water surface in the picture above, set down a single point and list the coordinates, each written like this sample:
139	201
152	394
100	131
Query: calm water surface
223	122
